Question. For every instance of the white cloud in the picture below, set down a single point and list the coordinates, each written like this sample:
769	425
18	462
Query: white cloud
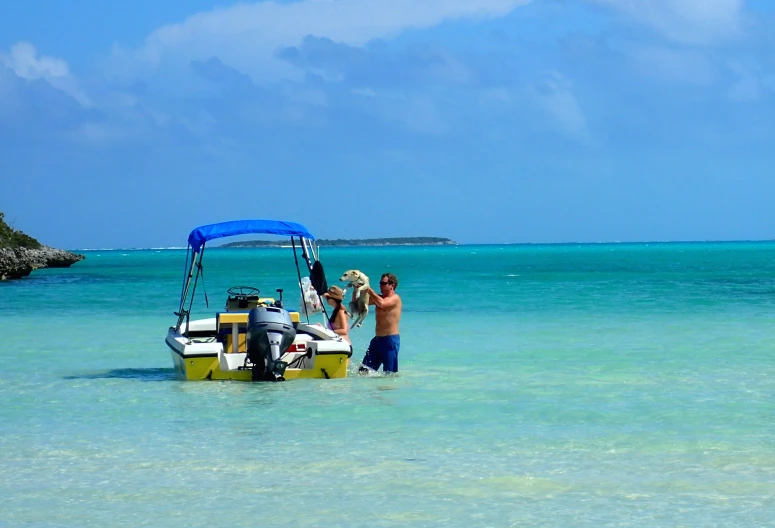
745	90
683	66
686	21
420	114
245	36
553	93
548	103
751	82
24	61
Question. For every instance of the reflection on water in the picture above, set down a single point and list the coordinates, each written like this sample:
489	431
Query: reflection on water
139	374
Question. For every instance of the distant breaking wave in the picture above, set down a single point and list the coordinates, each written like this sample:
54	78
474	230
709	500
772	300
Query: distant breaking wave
177	248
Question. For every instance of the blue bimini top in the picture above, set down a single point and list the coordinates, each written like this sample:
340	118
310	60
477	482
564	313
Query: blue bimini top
200	235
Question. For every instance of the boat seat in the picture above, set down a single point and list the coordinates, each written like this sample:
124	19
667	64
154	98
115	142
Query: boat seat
232	328
229	324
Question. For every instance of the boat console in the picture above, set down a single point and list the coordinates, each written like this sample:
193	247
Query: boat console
242	298
247	297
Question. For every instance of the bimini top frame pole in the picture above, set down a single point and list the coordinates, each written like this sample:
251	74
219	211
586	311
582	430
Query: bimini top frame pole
189	274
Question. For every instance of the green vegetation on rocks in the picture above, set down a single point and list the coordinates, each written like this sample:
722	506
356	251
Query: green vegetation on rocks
20	254
11	238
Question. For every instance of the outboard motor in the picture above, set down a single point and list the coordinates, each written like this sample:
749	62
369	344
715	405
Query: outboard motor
270	333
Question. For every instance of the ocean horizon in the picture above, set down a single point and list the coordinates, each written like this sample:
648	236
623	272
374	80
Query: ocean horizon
563	384
570	243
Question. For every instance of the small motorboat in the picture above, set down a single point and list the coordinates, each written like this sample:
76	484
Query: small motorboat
255	338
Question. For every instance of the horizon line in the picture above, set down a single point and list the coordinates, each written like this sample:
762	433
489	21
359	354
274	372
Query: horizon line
571	243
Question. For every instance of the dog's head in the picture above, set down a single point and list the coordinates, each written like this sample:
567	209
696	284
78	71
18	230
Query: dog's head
354	277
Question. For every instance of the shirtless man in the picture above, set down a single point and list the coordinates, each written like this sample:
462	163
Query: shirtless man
383	349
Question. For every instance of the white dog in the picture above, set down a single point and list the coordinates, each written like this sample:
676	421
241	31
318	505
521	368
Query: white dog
360	306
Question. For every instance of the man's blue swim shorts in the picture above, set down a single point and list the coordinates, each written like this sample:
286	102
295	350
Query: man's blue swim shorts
383	350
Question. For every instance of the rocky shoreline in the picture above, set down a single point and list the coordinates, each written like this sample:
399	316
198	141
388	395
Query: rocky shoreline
20	262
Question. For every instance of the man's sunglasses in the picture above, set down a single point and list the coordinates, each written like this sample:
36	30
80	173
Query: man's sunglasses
384	283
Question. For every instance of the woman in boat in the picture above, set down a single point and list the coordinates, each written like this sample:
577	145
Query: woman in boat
338	320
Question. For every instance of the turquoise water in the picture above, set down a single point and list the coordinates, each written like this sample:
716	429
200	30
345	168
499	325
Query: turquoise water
589	385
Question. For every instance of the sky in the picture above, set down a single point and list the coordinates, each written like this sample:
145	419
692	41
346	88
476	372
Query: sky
485	121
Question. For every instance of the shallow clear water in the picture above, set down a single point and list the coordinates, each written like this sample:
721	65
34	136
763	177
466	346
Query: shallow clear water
592	385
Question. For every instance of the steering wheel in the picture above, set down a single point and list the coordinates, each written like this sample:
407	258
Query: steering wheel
242	292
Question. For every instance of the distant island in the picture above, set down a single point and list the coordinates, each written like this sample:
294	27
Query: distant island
341	242
20	254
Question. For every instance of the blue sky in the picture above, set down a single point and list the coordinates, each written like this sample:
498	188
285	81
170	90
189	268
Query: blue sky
479	120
